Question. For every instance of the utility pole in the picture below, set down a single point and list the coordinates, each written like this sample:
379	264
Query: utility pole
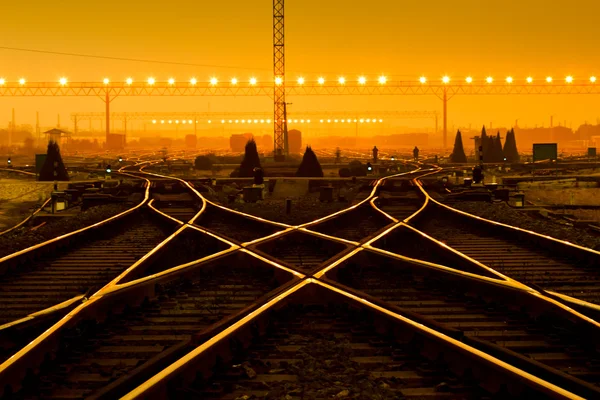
37	127
12	129
107	102
445	102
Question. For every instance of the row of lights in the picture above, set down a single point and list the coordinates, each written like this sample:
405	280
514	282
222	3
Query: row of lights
509	79
213	81
268	121
341	80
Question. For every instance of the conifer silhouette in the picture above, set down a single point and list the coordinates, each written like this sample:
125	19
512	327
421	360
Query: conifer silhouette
310	166
251	160
498	153
510	147
53	168
458	153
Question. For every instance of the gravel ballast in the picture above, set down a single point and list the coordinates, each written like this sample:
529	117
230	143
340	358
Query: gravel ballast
555	228
25	237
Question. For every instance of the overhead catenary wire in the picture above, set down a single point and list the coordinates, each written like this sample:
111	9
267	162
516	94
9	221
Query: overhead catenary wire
148	61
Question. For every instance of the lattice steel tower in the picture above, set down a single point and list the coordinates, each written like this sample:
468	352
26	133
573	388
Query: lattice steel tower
280	115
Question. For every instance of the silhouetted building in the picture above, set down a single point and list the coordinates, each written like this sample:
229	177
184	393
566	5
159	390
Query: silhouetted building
191	141
237	142
60	136
294	141
115	141
587	131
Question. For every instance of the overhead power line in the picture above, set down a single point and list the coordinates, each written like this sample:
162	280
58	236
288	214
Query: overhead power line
127	59
141	60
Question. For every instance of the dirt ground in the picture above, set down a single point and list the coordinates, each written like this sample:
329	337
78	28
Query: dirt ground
304	208
567	196
18	198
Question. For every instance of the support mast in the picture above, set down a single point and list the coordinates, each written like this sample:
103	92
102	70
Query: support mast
279	116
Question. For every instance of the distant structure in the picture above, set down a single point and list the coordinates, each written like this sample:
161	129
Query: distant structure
115	141
281	149
237	142
191	141
59	136
294	141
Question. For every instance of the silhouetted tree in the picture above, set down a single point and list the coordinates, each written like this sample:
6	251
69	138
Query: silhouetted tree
489	153
510	147
458	153
53	168
203	163
498	153
250	161
485	143
310	166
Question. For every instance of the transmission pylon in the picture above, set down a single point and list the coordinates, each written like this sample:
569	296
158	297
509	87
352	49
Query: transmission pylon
279	116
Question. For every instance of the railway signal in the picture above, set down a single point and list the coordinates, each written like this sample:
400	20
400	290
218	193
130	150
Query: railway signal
120	159
369	168
108	170
9	161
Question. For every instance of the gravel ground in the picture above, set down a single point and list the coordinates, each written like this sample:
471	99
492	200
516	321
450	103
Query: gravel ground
18	199
558	229
304	209
23	190
325	370
24	237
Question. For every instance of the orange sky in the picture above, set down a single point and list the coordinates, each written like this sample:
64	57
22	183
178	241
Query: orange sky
402	39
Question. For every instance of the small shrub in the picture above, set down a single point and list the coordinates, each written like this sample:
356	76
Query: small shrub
357	168
203	163
345	172
310	166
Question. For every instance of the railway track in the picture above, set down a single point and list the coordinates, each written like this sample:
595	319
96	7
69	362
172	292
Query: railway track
516	327
362	221
302	251
96	359
314	342
234	225
355	225
238	326
524	257
174	199
63	274
400	198
35	294
316	352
